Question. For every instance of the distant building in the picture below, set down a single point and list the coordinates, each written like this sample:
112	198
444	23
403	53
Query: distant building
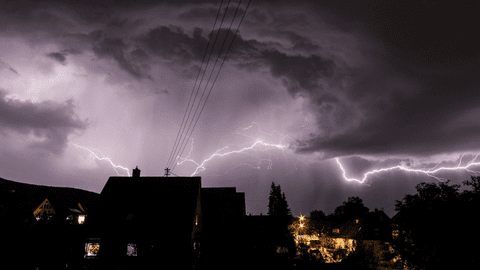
373	230
41	223
65	210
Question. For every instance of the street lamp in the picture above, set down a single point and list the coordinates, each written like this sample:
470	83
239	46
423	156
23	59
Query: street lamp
301	223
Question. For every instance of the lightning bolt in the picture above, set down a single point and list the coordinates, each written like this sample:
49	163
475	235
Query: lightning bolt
223	152
256	143
259	140
429	172
103	158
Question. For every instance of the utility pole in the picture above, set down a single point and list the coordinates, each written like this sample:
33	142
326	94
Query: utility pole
167	172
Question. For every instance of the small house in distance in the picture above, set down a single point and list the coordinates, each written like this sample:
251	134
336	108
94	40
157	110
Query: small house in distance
72	212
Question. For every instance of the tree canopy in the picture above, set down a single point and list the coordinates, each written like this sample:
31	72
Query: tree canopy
437	226
277	202
351	209
278	209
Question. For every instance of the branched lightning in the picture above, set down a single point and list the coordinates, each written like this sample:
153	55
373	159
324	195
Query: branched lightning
255	144
224	151
429	172
102	157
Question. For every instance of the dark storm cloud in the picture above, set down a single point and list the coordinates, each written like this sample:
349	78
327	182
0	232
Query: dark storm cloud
59	57
172	43
433	118
51	122
301	43
199	13
408	100
115	48
416	95
301	73
424	32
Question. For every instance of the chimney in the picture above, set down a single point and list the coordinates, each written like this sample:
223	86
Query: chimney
136	172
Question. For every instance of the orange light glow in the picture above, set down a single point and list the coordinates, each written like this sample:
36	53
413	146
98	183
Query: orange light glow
81	219
91	249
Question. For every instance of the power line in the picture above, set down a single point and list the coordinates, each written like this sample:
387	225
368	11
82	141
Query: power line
185	139
182	126
223	61
185	134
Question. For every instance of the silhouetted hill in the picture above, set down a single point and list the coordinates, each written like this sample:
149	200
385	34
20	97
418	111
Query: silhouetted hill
23	198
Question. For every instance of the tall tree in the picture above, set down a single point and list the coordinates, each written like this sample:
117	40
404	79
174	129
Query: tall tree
278	209
277	202
438	226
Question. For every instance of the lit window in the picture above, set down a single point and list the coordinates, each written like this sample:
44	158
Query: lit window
81	219
131	249
91	249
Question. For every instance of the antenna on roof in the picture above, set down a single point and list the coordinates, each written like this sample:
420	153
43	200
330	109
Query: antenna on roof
167	172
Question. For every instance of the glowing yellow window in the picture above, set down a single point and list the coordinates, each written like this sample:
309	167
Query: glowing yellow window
91	249
81	219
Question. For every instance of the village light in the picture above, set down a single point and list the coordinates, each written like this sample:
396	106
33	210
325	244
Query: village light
81	219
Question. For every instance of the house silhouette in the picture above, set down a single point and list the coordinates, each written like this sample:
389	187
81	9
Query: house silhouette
152	222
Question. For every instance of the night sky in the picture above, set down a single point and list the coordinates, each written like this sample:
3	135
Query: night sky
374	84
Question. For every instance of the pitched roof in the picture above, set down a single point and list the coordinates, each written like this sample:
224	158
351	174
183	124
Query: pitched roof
146	207
25	198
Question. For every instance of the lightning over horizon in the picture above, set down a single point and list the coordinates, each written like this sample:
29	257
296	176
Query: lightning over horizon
259	141
103	158
222	152
428	172
256	143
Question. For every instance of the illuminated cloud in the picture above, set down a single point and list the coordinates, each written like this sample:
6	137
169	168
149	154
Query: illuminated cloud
51	122
364	80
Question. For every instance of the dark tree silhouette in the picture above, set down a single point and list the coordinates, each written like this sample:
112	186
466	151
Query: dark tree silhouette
317	221
277	202
278	209
350	210
437	226
362	258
